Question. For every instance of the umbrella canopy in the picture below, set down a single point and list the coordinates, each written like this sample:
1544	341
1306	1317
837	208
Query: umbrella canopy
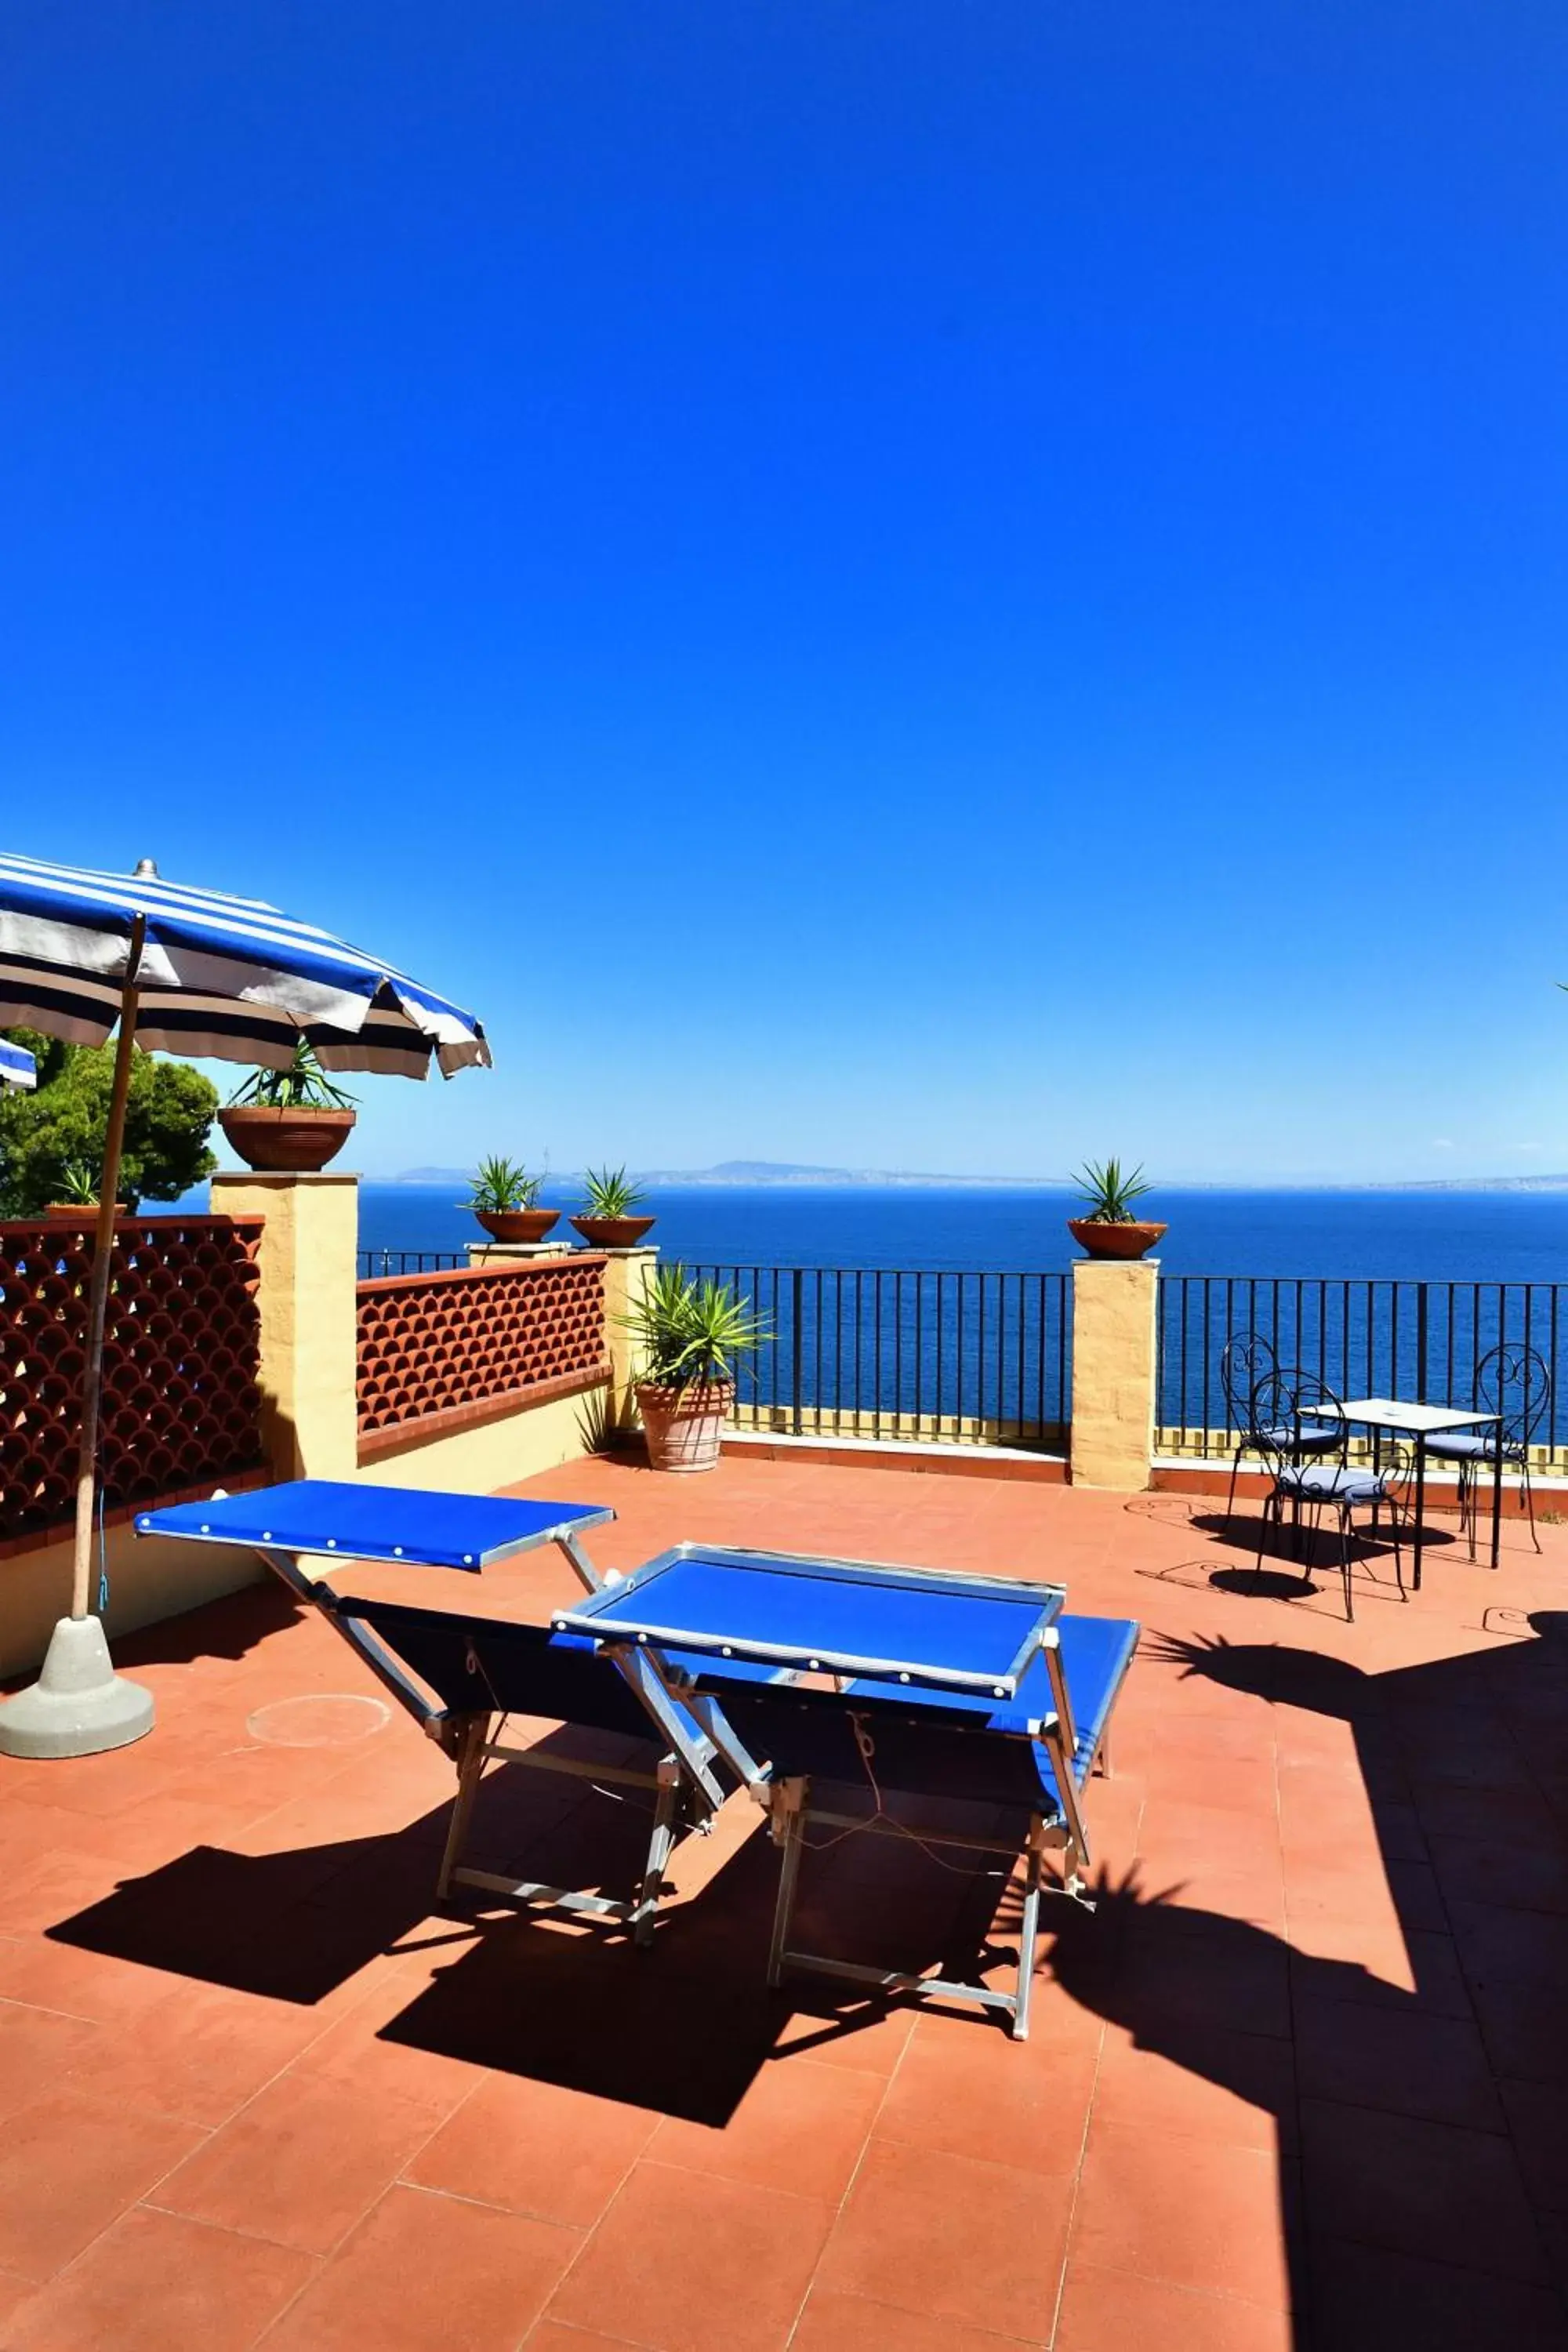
228	979
18	1067
191	972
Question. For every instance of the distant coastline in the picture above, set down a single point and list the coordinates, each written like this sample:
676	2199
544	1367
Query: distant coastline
749	1174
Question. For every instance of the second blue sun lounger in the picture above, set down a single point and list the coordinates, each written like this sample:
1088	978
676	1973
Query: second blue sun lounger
947	1687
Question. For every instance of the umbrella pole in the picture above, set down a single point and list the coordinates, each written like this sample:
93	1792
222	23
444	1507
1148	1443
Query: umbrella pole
98	1297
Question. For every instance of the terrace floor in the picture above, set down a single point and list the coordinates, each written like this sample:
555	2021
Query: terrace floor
1300	2079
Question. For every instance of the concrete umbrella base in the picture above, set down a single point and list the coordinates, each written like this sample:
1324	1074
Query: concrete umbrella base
78	1706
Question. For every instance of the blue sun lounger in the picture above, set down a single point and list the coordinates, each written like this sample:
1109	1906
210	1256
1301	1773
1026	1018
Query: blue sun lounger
461	1673
946	1688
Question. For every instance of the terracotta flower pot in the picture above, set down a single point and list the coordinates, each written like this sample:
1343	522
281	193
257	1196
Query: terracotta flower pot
292	1142
1101	1239
611	1233
516	1224
684	1426
82	1214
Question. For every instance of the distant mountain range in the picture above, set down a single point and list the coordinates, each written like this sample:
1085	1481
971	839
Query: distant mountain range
753	1173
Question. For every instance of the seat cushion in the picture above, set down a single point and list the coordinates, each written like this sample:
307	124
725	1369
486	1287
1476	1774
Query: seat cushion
1312	1437
1328	1482
1461	1445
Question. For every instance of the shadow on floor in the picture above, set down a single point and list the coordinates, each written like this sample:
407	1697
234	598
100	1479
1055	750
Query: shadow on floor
231	1627
1415	2225
681	2028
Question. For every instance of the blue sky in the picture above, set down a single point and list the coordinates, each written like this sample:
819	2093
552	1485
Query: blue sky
917	585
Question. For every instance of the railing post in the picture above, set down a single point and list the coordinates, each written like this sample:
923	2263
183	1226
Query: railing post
798	1292
306	1297
1114	1372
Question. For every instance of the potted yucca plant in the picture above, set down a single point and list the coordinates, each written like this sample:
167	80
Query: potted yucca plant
292	1121
1108	1227
78	1189
607	1220
505	1200
692	1335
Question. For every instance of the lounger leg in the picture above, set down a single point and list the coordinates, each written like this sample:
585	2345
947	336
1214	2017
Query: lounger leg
1028	1929
792	1809
660	1846
470	1765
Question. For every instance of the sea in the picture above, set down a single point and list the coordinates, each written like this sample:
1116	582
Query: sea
1381	1292
1344	1235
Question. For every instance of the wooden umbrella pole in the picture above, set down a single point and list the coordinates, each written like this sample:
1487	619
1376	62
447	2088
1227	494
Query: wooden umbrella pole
98	1297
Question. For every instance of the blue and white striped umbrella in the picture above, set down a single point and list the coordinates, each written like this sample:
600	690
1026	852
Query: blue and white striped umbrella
18	1067
192	972
230	978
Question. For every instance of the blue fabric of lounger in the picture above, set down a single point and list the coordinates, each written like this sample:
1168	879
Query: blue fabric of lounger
327	1518
848	1615
475	1664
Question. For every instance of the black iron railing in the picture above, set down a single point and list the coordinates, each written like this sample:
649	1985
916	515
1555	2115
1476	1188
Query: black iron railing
982	1359
374	1263
1415	1340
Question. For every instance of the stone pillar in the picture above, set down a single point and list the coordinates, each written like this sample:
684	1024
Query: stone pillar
627	1273
1113	1371
309	1319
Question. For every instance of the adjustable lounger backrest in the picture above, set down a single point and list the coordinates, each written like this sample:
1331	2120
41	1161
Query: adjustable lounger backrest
918	1743
939	1744
477	1664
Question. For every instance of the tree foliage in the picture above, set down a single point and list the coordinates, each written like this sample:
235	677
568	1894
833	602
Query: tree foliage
168	1116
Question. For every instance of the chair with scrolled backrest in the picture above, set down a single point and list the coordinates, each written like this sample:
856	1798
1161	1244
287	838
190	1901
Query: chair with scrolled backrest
1513	1382
1290	1408
1247	1361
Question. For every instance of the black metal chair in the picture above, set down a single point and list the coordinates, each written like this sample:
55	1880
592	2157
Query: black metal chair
1246	1362
1512	1380
1289	1407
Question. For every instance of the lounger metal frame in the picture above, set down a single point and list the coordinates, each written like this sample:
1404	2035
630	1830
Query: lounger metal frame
791	1813
688	1791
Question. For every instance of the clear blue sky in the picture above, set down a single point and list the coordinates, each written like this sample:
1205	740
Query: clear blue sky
940	583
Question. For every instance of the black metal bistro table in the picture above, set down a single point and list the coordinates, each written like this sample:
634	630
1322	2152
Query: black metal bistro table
1420	1421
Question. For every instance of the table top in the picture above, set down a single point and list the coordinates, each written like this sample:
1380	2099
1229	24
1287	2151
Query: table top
385	1523
834	1616
1420	1420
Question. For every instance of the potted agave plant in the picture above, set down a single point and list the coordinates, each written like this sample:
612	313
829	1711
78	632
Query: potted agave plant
78	1189
505	1200
606	1220
692	1335
292	1121
1108	1227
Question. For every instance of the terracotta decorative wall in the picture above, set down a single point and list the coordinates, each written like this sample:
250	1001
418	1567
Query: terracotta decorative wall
430	1343
180	1399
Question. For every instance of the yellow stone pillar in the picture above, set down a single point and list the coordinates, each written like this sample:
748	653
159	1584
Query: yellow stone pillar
627	1273
308	1316
1113	1371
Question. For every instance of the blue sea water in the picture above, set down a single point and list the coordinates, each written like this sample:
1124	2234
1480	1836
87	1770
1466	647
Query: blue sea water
1344	1235
1383	1293
1376	1292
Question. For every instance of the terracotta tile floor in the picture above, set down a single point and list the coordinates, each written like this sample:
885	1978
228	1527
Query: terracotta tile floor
1303	2080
